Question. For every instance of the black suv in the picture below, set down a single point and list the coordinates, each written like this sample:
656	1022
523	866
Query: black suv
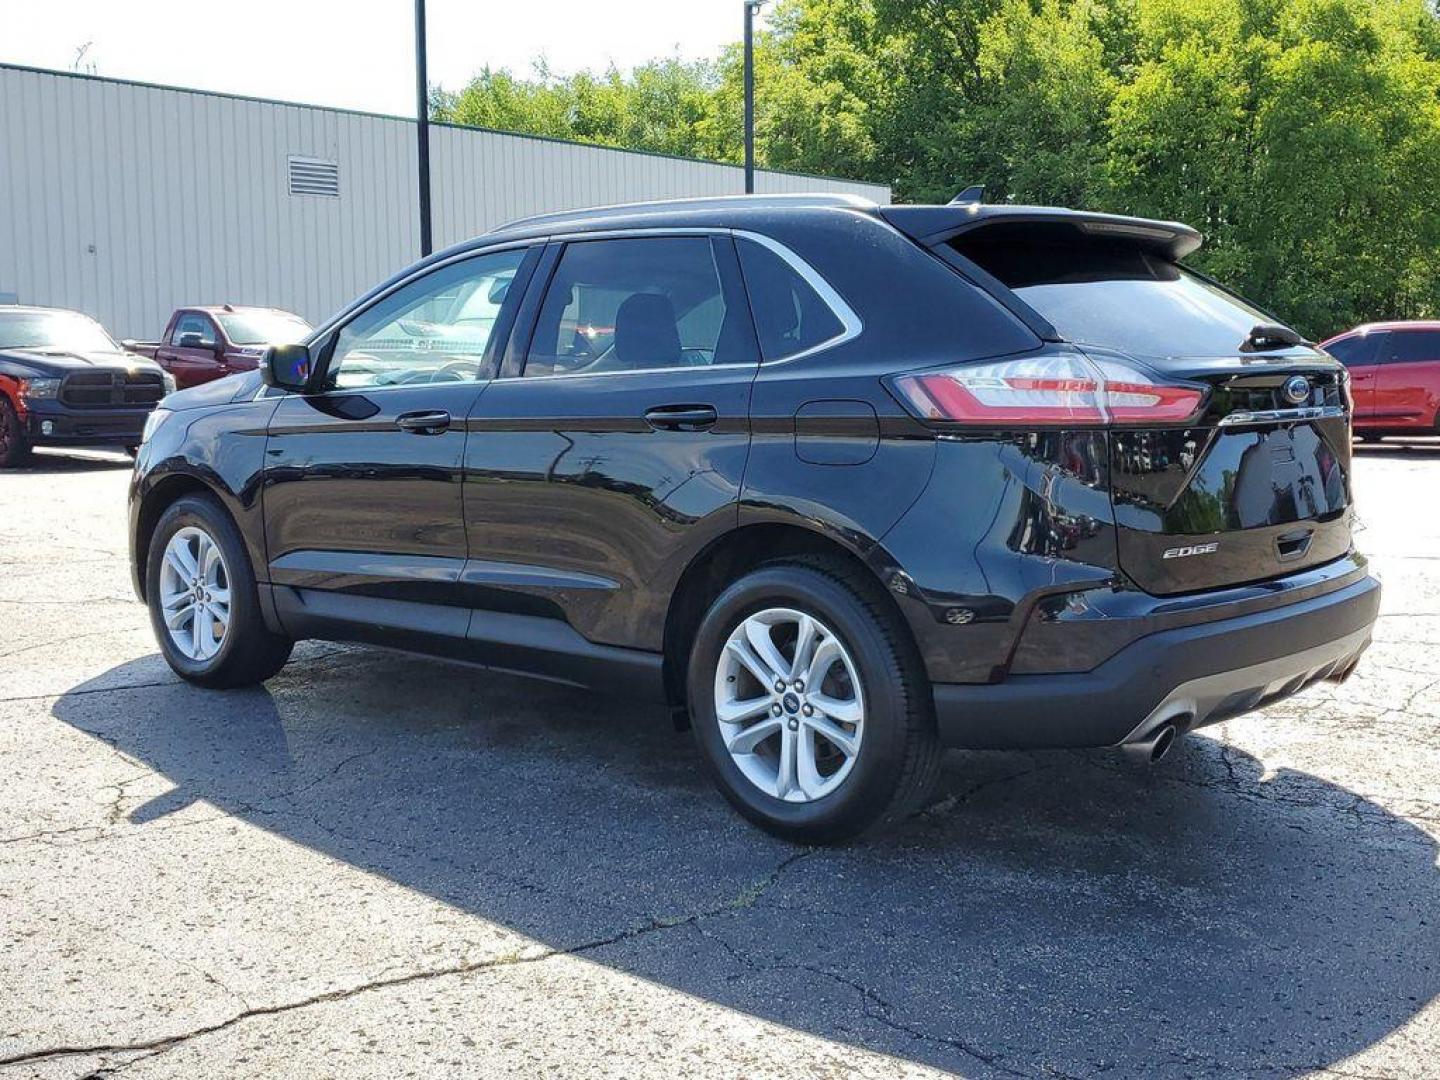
843	484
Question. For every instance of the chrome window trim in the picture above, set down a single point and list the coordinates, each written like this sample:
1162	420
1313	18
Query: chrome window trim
851	324
634	371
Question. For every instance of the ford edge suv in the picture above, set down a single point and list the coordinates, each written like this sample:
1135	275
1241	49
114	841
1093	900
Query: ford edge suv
842	484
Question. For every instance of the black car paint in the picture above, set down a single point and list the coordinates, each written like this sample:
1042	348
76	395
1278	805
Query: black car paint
547	529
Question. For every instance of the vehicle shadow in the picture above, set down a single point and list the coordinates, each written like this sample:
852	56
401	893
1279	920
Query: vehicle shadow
1052	913
59	462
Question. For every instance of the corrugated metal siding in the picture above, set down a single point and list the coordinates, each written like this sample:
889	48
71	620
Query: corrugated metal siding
126	201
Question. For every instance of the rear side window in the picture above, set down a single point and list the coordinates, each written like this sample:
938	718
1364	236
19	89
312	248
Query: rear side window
1411	346
636	305
1356	351
790	315
1119	297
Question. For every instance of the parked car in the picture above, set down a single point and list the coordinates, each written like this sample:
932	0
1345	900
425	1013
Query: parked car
1394	376
205	343
846	484
64	382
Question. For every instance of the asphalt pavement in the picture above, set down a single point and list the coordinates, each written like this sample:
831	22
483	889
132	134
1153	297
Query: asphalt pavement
379	865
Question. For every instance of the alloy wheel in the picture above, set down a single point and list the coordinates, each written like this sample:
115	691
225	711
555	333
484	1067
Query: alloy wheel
790	705
195	594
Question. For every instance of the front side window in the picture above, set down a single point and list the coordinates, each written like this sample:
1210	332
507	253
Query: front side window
60	330
790	316
192	323
635	305
1413	346
437	328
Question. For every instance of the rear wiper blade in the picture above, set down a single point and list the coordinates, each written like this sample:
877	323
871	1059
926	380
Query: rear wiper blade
1266	336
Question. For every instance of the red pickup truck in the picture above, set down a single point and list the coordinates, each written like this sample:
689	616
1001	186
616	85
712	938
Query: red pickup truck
1394	377
204	343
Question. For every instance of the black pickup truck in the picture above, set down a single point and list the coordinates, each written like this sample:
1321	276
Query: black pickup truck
65	382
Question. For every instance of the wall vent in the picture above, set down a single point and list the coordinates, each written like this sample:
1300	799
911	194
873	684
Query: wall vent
314	176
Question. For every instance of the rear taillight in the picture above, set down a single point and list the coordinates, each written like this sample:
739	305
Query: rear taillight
1060	388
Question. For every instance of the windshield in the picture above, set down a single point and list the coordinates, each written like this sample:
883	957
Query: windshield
264	327
65	330
1120	298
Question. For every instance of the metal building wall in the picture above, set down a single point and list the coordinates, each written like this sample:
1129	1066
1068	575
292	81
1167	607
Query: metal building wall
126	201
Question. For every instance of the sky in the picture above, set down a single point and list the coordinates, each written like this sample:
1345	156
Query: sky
357	55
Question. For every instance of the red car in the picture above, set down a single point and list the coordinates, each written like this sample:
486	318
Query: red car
204	343
1394	375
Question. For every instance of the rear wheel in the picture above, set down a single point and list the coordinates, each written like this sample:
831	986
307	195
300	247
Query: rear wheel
14	446
204	605
810	708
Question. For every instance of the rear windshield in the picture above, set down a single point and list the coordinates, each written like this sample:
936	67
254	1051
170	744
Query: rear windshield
1120	298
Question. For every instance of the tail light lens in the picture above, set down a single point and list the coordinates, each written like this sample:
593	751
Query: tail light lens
1062	388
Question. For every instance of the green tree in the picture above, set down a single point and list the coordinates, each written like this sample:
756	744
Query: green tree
1301	136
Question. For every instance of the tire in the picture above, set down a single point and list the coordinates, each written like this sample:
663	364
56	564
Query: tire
896	756
236	650
14	446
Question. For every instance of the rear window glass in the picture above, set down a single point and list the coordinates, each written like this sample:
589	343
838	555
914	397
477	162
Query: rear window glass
1120	298
790	316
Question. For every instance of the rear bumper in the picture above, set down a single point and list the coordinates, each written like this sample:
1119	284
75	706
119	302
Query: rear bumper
1188	676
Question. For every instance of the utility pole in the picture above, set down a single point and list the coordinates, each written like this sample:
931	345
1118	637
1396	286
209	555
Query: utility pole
422	127
752	7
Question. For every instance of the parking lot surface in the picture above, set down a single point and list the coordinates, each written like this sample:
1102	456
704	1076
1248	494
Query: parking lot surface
384	866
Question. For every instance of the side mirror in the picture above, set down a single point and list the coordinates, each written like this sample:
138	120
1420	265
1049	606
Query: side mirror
128	344
286	366
191	341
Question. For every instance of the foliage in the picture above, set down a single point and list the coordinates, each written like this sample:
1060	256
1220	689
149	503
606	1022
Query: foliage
1301	136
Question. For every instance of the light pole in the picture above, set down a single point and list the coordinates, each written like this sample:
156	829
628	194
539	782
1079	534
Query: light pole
422	127
752	7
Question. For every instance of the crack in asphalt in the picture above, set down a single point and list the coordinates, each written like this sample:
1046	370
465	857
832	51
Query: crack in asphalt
746	898
874	1006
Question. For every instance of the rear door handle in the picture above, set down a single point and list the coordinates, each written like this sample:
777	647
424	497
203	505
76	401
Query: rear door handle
432	422
681	417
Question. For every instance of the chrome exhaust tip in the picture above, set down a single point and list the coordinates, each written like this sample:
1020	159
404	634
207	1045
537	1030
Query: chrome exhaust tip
1154	746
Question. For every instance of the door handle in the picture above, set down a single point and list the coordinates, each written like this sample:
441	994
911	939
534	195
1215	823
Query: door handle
431	422
681	417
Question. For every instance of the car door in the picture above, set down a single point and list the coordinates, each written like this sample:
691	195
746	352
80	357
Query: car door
1360	353
613	446
364	518
192	352
1403	387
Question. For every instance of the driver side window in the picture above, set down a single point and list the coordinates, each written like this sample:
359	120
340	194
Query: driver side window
435	329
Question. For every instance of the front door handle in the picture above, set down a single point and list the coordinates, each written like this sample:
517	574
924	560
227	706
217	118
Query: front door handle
681	417
431	422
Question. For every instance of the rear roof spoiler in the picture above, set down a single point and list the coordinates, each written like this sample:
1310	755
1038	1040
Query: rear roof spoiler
935	224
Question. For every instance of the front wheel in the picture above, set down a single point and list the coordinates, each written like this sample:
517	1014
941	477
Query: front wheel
204	605
810	707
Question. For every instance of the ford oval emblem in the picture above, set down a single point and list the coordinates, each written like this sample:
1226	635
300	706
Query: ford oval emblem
1296	390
